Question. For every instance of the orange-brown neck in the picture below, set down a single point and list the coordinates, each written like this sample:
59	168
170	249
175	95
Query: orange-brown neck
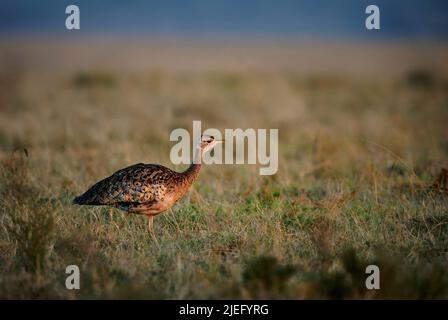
193	170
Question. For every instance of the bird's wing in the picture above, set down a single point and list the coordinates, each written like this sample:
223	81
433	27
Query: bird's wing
140	183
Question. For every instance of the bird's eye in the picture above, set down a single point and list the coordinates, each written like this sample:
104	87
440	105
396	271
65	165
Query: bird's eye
212	137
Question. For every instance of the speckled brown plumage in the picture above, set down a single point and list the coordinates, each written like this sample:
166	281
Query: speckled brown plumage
142	188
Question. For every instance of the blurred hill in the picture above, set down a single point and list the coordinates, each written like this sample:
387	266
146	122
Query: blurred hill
377	58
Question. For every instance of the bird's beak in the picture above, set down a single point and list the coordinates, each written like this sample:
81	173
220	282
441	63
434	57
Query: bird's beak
219	141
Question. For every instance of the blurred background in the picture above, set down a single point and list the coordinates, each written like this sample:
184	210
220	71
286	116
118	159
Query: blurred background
362	120
300	34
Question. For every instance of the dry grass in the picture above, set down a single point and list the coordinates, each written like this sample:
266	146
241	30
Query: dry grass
358	155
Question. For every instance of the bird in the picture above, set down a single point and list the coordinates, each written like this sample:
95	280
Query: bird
147	189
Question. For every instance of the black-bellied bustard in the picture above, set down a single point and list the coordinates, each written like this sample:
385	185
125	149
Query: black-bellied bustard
146	189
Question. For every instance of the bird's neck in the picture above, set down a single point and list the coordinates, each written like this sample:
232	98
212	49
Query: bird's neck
193	170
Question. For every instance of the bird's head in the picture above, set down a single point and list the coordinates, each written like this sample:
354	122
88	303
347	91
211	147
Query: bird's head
207	143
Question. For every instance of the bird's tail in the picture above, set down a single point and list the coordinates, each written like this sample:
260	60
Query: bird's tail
78	200
86	198
83	199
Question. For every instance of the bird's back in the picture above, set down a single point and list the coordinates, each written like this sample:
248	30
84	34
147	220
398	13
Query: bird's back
136	184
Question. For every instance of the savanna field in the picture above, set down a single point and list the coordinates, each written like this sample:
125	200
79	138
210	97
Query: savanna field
363	139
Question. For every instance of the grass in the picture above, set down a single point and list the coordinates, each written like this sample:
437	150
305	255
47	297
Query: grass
357	159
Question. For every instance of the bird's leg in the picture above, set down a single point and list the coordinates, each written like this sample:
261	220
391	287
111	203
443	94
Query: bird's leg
151	228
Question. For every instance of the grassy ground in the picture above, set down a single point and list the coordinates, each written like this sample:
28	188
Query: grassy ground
357	158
